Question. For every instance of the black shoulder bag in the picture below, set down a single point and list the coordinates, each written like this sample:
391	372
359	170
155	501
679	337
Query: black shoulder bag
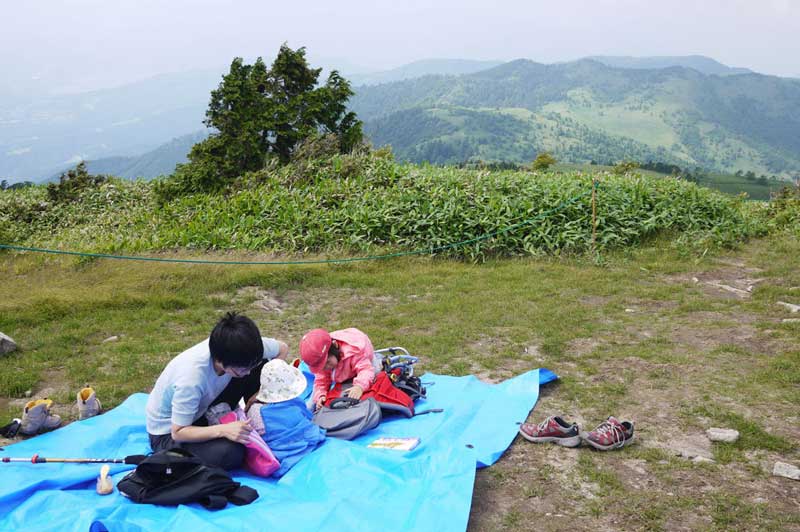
176	476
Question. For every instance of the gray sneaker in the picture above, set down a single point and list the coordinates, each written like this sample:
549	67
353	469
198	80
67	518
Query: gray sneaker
37	418
88	404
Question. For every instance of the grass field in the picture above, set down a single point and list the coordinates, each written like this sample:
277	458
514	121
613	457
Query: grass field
733	184
728	183
652	335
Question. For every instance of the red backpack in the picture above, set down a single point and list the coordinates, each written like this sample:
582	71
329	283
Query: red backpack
395	388
389	397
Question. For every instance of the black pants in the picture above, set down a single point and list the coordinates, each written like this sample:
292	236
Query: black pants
219	452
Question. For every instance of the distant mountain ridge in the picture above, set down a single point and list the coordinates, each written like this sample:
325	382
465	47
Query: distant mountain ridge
157	162
425	67
57	131
586	110
686	110
703	64
48	133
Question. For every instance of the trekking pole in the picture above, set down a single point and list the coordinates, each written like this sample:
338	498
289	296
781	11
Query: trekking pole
133	459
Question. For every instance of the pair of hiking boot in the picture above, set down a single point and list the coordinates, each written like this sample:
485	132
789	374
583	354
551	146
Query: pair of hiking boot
610	434
36	416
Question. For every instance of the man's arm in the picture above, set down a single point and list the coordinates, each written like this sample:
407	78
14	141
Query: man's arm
185	406
274	349
238	431
283	351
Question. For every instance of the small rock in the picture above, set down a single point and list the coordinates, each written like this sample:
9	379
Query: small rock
695	280
792	308
28	393
702	460
111	339
786	470
630	310
791	320
794	289
689	446
724	435
759	500
7	344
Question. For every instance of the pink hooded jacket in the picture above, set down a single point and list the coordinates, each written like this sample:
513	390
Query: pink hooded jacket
355	363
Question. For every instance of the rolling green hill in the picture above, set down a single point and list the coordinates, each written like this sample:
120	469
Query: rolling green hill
586	110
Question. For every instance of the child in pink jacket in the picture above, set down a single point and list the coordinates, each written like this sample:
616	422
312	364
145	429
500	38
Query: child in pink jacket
339	357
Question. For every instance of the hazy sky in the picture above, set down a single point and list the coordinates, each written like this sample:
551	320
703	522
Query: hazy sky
91	43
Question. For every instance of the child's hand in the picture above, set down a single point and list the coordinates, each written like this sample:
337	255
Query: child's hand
355	392
321	402
237	431
250	402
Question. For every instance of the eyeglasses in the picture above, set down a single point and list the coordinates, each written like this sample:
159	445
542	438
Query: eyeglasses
240	371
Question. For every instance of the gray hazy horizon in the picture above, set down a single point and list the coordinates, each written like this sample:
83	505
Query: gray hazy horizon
79	45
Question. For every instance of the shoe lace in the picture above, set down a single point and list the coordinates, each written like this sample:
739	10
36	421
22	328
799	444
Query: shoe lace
543	425
616	432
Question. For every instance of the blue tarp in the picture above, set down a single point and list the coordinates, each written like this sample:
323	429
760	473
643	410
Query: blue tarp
341	484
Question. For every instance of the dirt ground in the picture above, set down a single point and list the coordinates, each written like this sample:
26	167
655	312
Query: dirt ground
675	374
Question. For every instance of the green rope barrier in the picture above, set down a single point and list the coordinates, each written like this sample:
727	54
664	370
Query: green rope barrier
420	251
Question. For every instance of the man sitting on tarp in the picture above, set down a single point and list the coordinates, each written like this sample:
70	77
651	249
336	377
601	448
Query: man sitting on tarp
222	369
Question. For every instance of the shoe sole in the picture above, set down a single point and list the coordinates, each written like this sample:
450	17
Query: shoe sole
572	441
609	447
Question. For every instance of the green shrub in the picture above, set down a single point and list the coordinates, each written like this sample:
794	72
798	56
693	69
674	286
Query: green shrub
72	183
360	203
784	209
625	167
544	161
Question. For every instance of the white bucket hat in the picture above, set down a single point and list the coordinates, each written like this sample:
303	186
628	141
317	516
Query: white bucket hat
280	382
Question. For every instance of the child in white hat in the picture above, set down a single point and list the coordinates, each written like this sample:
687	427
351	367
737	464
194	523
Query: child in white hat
281	416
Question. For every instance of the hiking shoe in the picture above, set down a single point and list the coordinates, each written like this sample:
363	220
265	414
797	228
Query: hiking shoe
611	434
10	430
37	418
553	429
88	404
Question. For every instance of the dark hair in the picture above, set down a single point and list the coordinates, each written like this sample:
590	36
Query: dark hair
236	341
335	351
